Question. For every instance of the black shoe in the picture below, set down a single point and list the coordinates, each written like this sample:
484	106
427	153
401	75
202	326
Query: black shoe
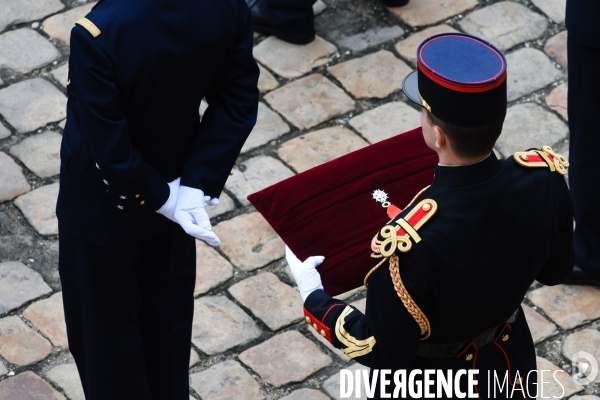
580	277
394	3
295	26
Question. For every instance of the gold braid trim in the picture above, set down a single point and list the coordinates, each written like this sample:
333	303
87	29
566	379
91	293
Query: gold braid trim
407	300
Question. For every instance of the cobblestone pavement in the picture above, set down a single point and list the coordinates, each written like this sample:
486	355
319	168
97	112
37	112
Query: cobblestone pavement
319	101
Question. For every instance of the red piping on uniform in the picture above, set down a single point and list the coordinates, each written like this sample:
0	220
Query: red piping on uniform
504	352
335	305
437	78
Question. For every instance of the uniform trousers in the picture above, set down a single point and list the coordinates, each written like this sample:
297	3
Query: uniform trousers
584	169
129	315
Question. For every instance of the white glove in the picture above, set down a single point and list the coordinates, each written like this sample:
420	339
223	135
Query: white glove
168	209
208	201
191	215
305	273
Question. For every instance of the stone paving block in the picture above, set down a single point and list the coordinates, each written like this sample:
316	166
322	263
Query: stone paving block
528	125
504	24
249	241
225	381
29	104
4	132
350	293
332	385
3	370
212	270
225	205
266	81
12	181
555	9
587	340
235	327
21	345
305	394
530	70
407	48
429	12
331	348
556	48
40	153
24	50
269	126
385	121
49	317
540	328
39	208
260	172
59	26
568	305
309	101
272	301
194	357
553	389
557	100
374	75
28	386
278	363
61	74
360	304
292	60
16	12
372	37
66	377
18	285
315	148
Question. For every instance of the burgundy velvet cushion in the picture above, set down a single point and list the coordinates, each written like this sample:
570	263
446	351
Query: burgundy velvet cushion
328	210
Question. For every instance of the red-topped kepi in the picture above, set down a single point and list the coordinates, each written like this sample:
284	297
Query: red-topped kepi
461	79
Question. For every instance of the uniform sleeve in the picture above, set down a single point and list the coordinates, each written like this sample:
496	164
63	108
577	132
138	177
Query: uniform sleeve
231	115
133	185
560	263
386	337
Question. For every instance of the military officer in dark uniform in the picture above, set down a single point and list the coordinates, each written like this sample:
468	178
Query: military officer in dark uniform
584	84
451	270
138	168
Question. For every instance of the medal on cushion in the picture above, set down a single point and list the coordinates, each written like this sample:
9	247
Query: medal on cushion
382	197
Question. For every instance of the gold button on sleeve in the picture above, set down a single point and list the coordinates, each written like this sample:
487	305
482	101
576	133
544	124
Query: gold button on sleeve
505	338
323	333
469	357
308	321
142	202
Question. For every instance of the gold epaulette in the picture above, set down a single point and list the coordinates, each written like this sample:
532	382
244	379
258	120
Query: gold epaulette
399	235
545	158
89	26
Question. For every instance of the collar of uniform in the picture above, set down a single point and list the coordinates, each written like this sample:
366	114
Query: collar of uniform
467	175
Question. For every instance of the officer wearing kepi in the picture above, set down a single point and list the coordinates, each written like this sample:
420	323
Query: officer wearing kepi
138	168
451	270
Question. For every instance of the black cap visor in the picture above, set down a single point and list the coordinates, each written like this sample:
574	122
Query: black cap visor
410	87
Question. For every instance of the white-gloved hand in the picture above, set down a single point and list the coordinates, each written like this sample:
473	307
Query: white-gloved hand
168	209
305	273
191	215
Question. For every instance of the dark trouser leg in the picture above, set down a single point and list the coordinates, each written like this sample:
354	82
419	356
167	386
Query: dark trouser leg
102	305
167	276
584	169
289	20
129	314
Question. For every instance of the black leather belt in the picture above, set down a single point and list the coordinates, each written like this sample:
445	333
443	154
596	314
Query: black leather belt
431	350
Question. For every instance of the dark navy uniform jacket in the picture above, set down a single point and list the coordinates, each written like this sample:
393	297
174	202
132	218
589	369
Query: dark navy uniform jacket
138	71
499	226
